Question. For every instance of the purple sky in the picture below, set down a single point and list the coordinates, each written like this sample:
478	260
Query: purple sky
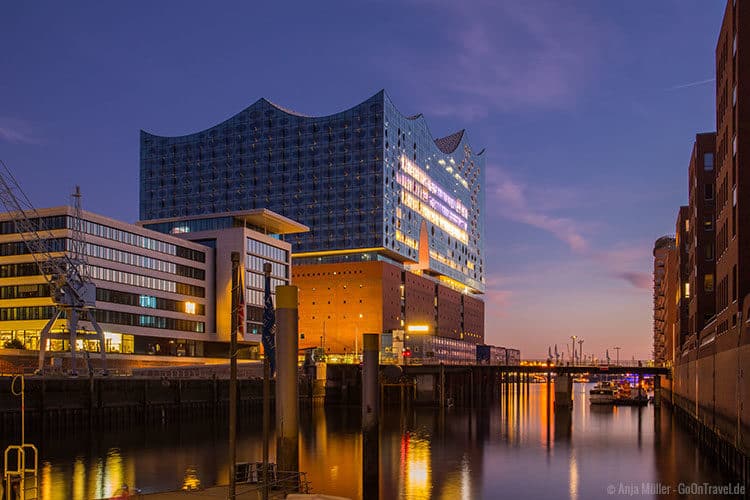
588	111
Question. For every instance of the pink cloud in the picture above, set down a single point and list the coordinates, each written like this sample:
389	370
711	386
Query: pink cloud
498	300
638	280
510	200
520	203
627	263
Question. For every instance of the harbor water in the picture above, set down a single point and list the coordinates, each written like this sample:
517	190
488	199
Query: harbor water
517	447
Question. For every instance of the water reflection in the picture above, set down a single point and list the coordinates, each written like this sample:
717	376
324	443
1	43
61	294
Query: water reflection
519	447
415	462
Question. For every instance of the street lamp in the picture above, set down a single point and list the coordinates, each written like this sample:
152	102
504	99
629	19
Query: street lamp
573	357
617	348
580	351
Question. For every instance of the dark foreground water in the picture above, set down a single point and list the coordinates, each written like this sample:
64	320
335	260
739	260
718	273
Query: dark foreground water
515	449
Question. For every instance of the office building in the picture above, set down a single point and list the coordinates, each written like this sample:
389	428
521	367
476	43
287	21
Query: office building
156	294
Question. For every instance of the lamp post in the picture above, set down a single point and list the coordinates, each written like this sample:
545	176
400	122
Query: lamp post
617	348
580	351
573	357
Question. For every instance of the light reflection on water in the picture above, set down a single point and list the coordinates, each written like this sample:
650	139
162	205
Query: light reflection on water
518	448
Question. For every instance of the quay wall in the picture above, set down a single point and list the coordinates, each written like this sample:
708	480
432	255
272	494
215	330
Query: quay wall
710	392
117	402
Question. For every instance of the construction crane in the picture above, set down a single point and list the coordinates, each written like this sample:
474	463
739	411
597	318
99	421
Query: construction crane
71	288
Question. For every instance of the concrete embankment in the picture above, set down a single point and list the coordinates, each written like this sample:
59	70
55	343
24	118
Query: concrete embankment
710	394
117	402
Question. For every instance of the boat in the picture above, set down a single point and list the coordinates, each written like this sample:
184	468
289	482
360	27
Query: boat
630	396
603	393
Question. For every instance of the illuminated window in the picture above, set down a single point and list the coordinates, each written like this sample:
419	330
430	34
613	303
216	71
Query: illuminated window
708	282
147	301
190	307
687	290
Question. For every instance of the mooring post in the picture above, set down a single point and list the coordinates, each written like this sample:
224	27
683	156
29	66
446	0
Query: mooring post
471	388
442	385
657	391
564	391
287	386
370	417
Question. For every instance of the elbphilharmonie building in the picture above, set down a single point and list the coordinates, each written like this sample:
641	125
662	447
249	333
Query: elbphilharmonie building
396	216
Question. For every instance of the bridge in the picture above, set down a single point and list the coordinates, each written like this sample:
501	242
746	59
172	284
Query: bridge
476	384
642	368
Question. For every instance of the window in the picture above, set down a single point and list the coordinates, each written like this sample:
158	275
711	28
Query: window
708	225
708	282
708	161
147	301
709	191
709	251
687	290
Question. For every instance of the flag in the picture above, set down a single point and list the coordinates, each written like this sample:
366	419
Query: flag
241	307
269	322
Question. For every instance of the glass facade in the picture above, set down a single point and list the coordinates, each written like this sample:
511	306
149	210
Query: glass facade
257	254
365	178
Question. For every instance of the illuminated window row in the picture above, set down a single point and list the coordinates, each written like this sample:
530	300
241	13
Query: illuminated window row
421	177
256	297
104	316
432	216
143	261
20	248
137	240
149	301
139	280
265	250
423	195
444	260
256	264
255	280
407	240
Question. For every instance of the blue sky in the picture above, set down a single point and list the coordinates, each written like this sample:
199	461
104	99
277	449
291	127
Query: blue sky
588	111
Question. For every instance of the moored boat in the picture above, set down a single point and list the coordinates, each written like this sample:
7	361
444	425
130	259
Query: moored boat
603	393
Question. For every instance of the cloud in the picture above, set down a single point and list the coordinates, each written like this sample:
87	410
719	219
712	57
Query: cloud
538	207
16	131
507	55
510	200
692	84
638	280
498	299
624	262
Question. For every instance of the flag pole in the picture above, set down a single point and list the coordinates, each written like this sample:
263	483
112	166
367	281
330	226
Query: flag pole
268	352
233	378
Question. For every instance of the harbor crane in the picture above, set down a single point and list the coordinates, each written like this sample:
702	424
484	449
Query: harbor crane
66	270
